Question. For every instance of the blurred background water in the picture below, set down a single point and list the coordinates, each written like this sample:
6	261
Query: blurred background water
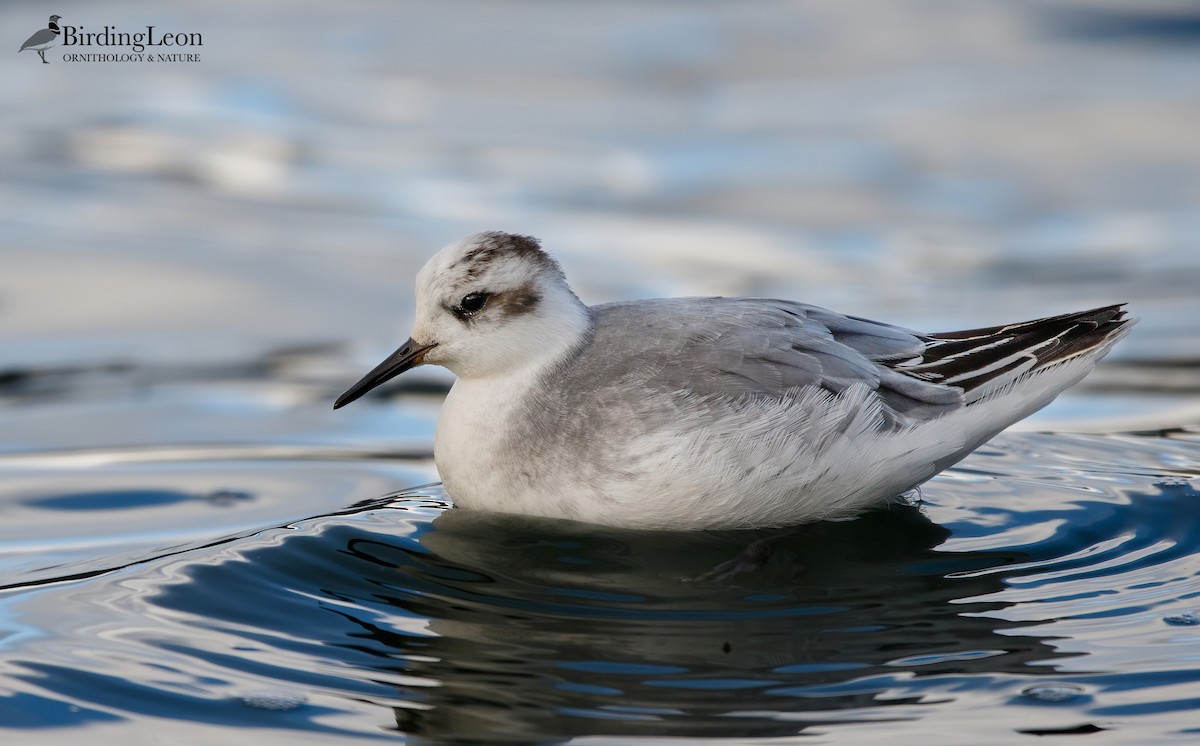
199	256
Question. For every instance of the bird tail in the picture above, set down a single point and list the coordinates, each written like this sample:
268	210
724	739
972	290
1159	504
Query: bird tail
979	361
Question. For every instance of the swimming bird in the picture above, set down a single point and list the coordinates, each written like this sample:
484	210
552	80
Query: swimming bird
706	413
43	39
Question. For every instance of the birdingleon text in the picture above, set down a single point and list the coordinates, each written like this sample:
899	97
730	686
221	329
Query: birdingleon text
138	41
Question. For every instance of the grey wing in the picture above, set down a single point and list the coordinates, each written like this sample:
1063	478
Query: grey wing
740	347
734	347
771	346
816	347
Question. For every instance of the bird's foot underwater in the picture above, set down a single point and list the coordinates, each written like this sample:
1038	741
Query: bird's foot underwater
756	554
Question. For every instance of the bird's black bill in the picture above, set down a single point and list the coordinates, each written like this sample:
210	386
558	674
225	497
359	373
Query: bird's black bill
409	356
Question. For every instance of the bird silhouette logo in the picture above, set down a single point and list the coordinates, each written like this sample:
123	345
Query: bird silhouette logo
43	39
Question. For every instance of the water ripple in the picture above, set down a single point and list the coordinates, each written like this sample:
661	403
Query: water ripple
453	625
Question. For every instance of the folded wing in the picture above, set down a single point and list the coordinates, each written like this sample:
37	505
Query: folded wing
737	347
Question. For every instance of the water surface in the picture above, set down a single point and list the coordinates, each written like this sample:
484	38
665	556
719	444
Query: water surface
1048	584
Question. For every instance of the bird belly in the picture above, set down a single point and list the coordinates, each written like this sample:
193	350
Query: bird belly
703	466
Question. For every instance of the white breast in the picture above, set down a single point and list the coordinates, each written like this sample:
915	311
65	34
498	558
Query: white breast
475	422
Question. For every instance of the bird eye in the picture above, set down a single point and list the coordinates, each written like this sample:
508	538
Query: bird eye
472	303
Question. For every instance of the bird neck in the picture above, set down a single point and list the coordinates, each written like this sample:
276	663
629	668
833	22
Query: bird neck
566	326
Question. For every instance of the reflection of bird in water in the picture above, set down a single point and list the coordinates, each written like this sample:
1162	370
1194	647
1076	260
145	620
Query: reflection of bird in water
706	413
43	39
484	628
540	631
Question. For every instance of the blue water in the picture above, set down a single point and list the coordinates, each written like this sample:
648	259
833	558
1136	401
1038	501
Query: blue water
197	258
1046	584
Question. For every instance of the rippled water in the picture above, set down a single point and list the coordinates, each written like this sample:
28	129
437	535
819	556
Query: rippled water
1046	585
197	259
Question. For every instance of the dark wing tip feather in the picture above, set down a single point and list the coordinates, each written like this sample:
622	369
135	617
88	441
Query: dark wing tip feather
970	358
1097	316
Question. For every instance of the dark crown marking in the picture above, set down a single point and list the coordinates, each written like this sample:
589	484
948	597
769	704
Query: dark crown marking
494	244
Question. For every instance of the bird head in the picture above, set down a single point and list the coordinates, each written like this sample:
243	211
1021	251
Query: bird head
489	305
